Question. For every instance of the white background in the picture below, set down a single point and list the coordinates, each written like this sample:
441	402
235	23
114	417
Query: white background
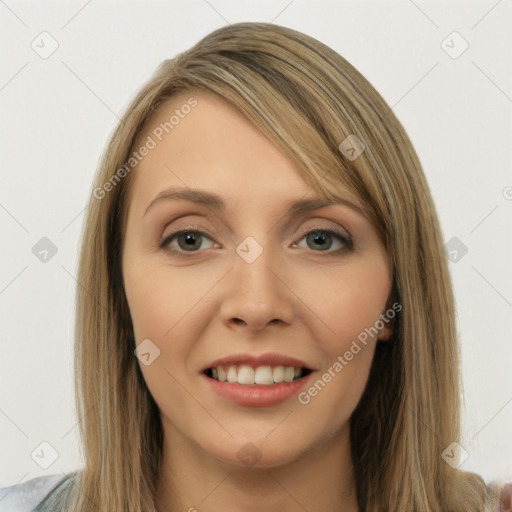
56	116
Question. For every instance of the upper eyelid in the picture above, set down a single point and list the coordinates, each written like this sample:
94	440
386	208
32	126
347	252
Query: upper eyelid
303	231
300	219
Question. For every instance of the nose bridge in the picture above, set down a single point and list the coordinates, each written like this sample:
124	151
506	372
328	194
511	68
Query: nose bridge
257	295
253	267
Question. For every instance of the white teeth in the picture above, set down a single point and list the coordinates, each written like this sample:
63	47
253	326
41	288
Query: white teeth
262	375
232	376
245	375
289	372
278	374
221	374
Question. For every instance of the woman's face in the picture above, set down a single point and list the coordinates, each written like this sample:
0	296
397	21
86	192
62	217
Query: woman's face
259	287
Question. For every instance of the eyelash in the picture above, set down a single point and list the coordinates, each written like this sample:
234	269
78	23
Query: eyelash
347	241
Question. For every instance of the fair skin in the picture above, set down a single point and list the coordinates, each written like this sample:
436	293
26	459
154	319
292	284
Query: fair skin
302	297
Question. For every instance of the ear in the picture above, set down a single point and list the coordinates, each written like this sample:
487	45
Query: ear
389	317
386	332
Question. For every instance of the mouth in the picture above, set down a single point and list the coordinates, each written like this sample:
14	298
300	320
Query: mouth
263	380
260	375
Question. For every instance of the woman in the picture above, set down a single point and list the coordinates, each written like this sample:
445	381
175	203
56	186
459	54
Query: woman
228	356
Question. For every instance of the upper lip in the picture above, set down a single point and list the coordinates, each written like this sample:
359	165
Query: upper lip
269	359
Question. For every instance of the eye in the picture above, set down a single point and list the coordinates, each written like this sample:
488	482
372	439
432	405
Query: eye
190	240
322	239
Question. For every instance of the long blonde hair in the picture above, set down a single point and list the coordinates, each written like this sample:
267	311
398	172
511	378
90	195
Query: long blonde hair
306	99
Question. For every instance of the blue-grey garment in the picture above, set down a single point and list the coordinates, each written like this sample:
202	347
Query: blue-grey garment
51	494
41	494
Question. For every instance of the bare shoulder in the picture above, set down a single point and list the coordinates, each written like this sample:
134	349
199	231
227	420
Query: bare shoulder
26	496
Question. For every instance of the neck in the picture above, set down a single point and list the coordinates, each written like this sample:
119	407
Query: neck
192	479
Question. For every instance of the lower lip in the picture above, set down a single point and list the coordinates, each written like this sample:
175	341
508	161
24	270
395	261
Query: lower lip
257	395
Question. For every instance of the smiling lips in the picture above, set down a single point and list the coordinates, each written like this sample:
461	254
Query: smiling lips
257	381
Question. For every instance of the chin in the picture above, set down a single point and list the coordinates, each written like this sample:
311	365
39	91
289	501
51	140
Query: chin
262	453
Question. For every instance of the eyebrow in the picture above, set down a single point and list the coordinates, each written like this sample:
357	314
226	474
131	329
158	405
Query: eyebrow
215	202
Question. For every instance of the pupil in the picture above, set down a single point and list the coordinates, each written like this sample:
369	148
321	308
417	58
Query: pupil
189	240
317	236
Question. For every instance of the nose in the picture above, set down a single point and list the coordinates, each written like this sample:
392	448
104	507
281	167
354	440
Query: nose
257	294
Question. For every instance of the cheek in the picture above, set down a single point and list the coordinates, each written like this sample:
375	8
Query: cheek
347	302
351	305
164	304
169	306
159	298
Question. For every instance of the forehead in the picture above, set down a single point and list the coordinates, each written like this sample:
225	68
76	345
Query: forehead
212	146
